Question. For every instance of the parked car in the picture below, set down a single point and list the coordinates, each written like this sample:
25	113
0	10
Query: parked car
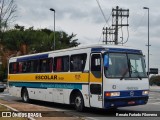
2	86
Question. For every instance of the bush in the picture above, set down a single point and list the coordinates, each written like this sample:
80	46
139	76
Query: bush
154	80
1	75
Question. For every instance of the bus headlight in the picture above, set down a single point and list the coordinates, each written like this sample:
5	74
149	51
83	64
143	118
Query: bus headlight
146	92
112	94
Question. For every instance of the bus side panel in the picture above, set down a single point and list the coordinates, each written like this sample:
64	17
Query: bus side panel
85	93
50	94
15	91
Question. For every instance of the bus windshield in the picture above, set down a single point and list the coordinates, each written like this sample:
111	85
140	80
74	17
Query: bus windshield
123	65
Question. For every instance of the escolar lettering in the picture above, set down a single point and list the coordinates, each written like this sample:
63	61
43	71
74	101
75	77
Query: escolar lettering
46	77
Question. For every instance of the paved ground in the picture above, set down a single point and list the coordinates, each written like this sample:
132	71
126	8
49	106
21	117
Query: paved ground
35	106
152	105
155	88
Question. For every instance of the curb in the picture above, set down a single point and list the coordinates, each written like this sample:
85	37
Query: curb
13	109
152	90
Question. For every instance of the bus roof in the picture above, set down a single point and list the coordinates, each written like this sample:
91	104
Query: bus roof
94	47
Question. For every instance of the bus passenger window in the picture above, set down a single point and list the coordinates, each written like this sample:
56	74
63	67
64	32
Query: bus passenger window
77	62
33	66
24	67
66	63
61	64
20	67
13	68
28	66
50	62
42	65
45	65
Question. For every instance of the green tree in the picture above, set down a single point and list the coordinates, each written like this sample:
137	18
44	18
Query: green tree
29	40
44	39
154	80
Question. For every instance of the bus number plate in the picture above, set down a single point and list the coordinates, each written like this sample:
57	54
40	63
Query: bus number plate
131	102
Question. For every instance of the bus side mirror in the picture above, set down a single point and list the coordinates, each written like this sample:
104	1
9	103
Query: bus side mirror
106	61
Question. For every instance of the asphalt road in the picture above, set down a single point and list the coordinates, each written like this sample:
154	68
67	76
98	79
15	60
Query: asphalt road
98	114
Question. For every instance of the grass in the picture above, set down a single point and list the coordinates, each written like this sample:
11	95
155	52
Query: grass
3	108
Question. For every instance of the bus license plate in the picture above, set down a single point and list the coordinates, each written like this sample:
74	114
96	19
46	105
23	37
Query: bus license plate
131	102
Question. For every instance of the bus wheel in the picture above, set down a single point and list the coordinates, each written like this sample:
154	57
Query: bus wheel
25	96
79	102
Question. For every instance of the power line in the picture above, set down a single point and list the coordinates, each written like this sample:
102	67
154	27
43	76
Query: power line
102	12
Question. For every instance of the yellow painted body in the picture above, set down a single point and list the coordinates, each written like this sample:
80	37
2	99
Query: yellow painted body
54	77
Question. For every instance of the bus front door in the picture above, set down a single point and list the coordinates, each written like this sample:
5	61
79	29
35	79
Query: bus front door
95	80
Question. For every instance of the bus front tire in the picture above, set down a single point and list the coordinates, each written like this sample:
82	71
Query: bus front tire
79	102
25	96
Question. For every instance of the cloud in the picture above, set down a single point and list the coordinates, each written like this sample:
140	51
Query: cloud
84	18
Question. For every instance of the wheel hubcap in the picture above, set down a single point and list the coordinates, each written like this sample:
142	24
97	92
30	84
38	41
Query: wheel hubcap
78	101
25	97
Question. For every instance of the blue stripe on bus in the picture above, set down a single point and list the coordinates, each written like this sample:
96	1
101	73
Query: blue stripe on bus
119	50
124	50
47	85
97	49
32	57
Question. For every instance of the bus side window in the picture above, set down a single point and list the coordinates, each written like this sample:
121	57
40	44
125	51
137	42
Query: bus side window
96	65
24	67
66	63
13	68
77	62
33	66
28	66
20	67
61	64
44	65
49	65
10	68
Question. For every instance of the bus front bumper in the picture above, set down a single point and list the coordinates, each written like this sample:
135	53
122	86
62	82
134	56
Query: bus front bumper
123	102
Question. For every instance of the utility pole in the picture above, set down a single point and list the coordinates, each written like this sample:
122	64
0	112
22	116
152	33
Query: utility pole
148	40
105	36
116	13
116	26
107	32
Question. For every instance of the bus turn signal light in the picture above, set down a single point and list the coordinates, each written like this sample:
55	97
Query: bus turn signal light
108	94
112	94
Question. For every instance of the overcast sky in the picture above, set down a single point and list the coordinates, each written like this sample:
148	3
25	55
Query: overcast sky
84	18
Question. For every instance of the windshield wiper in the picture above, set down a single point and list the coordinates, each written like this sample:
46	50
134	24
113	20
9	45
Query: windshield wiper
124	74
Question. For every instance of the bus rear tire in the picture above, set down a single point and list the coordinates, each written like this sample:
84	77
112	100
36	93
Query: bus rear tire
25	96
79	102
